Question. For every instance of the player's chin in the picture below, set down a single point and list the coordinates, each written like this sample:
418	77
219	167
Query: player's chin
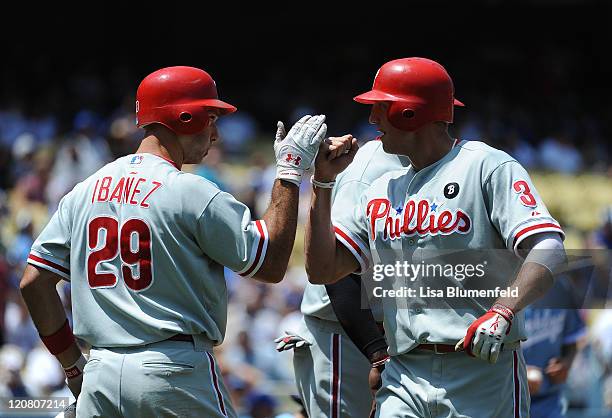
195	159
387	146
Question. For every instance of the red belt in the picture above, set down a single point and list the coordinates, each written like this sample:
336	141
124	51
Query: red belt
181	337
437	348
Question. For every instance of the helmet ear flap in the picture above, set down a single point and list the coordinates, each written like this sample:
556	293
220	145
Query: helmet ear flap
403	116
189	120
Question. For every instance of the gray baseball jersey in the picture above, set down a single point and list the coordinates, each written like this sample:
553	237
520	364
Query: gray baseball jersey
144	245
476	197
370	162
332	374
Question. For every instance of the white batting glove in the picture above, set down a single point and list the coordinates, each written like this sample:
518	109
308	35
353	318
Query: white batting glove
485	337
290	342
296	150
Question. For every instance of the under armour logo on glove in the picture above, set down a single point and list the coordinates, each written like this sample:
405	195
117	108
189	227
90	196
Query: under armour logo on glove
296	150
495	324
484	338
296	160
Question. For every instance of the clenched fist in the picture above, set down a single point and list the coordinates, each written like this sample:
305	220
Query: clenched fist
485	337
335	154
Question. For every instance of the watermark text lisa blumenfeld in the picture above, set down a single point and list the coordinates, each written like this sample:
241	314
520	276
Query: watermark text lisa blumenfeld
459	273
447	292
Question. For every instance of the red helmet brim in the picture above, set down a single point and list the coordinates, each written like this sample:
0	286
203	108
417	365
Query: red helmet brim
373	96
224	107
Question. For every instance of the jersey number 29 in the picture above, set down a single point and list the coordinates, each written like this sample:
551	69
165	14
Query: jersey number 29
119	242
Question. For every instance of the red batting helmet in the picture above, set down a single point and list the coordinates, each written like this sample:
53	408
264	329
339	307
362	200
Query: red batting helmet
178	98
420	91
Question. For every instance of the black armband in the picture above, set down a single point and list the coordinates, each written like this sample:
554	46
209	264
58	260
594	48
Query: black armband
358	323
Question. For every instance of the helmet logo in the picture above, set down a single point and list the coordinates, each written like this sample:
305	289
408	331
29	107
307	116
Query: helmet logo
296	160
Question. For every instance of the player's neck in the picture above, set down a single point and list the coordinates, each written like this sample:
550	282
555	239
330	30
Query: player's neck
425	151
157	145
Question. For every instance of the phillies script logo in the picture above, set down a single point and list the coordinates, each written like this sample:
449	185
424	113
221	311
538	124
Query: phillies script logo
296	160
416	218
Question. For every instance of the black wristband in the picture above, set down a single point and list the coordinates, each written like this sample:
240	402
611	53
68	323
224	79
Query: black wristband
376	346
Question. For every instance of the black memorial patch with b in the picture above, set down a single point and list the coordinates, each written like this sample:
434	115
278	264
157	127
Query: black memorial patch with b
451	190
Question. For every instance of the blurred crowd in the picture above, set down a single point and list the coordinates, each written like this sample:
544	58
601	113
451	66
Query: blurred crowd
42	158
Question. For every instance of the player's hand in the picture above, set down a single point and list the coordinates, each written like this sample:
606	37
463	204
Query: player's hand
290	341
295	151
375	379
373	409
557	370
74	384
335	154
485	337
534	379
378	361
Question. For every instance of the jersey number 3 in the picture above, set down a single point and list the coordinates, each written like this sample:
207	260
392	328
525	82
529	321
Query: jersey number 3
133	231
521	187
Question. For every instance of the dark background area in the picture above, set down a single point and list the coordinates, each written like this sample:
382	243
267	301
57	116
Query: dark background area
549	61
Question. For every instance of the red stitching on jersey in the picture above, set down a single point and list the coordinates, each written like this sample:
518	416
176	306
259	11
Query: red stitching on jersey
533	227
353	244
213	373
348	239
517	387
48	263
335	404
93	196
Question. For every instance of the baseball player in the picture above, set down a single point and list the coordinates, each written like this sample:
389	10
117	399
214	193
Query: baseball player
144	244
454	195
331	370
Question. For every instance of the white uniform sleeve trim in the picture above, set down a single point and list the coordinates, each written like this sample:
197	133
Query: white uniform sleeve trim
52	259
355	245
49	263
544	225
258	252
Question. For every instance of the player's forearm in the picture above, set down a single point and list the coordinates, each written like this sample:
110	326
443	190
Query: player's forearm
319	239
544	254
46	309
358	322
532	282
281	221
40	295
